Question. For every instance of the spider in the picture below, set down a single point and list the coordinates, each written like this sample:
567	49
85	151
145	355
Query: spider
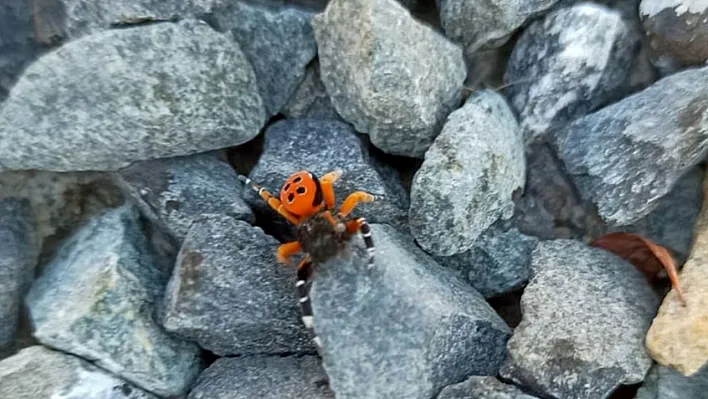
308	202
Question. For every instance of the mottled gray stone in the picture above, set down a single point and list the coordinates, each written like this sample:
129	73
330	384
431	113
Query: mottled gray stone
568	64
477	387
676	31
392	77
175	191
16	47
269	377
229	294
120	96
97	299
278	42
628	155
497	264
321	146
404	329
585	315
311	100
18	258
666	383
468	176
38	372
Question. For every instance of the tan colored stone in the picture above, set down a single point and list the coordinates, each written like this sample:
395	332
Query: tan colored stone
678	337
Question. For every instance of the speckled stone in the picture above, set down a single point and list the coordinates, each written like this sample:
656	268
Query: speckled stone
666	383
477	387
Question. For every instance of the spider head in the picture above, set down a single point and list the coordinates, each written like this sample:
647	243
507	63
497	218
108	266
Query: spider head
301	194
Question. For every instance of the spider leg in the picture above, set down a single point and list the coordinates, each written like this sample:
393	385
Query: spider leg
285	251
362	226
304	272
326	182
270	200
352	201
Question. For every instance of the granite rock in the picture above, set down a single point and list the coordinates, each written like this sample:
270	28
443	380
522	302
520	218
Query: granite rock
310	100
667	383
371	64
98	298
120	96
478	387
585	313
406	328
16	47
468	176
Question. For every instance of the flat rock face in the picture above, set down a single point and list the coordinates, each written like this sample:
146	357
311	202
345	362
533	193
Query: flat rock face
567	64
585	314
628	155
120	96
97	299
371	64
310	100
278	42
263	377
667	383
322	146
482	387
678	336
468	176
174	191
677	32
18	258
405	329
38	372
229	294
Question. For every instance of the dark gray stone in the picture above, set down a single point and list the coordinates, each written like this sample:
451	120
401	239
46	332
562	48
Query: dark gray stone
585	315
311	100
392	77
666	383
468	176
269	377
38	372
278	42
229	294
321	146
628	155
97	299
174	191
676	31
477	387
406	328
116	97
16	47
18	258
568	64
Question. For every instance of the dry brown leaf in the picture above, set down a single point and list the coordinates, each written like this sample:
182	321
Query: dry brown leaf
643	253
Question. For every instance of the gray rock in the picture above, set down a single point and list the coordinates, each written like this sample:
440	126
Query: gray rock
174	191
628	155
18	258
229	294
321	146
406	328
677	32
468	176
16	47
497	264
116	97
278	42
568	64
477	387
271	377
666	383
97	299
311	100
38	372
389	75
585	314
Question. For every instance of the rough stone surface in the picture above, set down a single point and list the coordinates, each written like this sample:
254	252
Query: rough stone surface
468	176
568	64
38	373
407	328
229	294
278	42
371	64
97	299
109	99
677	32
321	146
263	377
585	314
667	383
175	191
16	47
628	155
18	257
482	388
678	336
311	100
